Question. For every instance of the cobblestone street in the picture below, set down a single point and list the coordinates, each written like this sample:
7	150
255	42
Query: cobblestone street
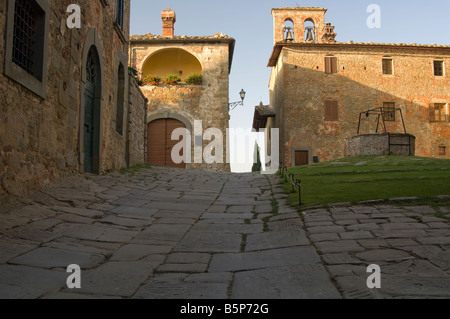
164	233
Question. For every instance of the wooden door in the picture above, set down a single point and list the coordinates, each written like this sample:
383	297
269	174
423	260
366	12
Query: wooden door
160	144
301	158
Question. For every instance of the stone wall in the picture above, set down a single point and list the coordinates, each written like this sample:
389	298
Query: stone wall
41	138
381	144
137	124
300	87
207	102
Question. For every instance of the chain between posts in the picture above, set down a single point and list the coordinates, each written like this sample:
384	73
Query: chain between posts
294	182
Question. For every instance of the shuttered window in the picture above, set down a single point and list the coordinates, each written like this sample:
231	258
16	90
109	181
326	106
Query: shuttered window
387	66
330	64
331	111
437	112
438	68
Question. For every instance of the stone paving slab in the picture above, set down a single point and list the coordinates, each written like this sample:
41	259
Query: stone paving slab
237	228
198	241
47	257
116	278
17	281
263	259
183	290
310	281
276	239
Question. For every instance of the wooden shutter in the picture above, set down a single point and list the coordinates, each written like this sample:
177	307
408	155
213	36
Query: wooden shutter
335	111
333	64
431	115
328	68
331	111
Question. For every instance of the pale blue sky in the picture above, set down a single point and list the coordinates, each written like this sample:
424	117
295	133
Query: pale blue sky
250	23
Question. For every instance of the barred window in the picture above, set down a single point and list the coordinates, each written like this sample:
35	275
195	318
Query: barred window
442	150
27	40
26	50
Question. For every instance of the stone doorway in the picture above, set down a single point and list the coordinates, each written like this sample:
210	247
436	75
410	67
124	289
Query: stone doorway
92	94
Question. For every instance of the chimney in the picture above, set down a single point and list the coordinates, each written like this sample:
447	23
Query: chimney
168	18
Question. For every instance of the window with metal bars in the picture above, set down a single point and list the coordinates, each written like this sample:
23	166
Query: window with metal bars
26	47
442	150
27	40
120	15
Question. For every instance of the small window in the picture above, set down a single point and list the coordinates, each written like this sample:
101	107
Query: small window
442	150
330	64
389	111
331	111
387	66
437	112
120	16
438	68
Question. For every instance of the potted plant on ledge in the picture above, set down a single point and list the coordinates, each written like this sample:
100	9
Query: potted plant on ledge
194	79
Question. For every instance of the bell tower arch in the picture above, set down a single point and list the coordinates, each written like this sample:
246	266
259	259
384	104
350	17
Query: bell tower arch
309	24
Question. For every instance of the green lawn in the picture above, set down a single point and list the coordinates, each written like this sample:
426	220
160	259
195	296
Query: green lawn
371	177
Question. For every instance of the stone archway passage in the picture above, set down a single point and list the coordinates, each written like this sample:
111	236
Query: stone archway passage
160	144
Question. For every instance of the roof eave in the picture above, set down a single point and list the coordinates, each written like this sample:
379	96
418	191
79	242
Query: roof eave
280	45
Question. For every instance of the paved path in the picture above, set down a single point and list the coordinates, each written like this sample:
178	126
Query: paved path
166	233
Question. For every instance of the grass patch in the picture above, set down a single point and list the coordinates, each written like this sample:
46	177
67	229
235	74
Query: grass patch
370	177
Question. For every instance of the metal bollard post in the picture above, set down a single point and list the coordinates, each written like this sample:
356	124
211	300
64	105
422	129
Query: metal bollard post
298	183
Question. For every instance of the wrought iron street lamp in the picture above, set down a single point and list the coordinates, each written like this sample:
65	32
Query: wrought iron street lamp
234	105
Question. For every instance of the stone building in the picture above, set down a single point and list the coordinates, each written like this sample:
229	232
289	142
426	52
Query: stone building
66	97
319	87
182	105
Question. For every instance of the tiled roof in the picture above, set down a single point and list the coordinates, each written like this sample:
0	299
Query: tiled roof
150	36
265	110
302	8
262	112
280	45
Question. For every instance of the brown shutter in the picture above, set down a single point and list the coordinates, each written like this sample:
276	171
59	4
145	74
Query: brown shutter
328	110
331	111
327	65
431	115
333	65
335	110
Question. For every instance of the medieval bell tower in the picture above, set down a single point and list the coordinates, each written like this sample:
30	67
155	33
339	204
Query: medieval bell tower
302	25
